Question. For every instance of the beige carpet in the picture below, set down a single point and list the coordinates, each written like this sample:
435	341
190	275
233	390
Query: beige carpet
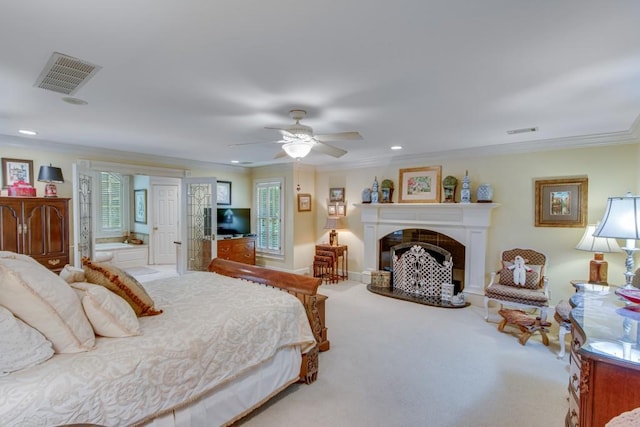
396	363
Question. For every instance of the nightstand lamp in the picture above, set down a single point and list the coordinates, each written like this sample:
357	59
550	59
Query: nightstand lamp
621	220
333	223
50	174
598	267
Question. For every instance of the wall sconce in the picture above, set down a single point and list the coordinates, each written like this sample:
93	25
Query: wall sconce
50	174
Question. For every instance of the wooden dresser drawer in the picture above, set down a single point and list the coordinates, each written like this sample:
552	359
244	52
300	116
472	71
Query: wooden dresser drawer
55	263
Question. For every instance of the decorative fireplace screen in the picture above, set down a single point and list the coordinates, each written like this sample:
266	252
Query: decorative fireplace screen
421	268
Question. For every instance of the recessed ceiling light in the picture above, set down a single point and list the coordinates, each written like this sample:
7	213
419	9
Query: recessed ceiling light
27	132
396	147
74	101
523	130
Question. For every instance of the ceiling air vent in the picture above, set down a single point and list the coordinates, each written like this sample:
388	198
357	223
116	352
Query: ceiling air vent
65	74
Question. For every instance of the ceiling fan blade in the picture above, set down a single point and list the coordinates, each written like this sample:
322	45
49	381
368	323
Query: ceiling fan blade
284	132
280	154
340	136
321	147
255	143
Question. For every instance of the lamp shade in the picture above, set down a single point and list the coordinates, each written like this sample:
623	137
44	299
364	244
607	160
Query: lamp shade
297	149
50	174
621	219
590	243
333	223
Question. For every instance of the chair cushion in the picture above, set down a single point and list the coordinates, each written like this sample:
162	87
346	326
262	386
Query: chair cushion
532	280
534	297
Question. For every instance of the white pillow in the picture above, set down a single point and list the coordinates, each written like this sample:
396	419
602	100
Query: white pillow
109	314
21	346
44	301
72	274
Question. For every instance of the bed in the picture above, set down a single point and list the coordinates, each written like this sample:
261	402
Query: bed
225	342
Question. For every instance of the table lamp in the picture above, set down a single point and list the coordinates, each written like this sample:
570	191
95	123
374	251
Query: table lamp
598	267
50	174
333	223
621	220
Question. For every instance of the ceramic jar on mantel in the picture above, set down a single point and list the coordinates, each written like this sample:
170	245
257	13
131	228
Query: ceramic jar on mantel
485	193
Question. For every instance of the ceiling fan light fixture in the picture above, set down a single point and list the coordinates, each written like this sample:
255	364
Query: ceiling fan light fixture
297	149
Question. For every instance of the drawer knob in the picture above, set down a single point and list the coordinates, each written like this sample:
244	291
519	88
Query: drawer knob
54	261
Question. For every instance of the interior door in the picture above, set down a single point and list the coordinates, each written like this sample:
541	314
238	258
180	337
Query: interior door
165	223
198	246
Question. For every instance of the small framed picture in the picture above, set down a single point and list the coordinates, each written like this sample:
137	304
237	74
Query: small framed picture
336	194
304	202
341	210
223	193
332	210
15	170
140	204
561	202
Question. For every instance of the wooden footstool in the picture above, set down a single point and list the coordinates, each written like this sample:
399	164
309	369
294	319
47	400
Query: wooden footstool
527	324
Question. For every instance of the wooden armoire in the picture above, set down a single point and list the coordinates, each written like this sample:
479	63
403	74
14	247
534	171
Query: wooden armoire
38	227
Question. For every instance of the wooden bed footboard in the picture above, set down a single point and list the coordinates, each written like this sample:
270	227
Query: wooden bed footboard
303	287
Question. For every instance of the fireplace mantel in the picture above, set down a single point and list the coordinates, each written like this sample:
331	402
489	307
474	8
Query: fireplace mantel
465	222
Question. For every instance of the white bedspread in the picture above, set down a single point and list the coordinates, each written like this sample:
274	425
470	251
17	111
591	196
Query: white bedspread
212	329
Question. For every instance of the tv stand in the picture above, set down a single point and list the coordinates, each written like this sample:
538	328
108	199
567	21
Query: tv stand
240	249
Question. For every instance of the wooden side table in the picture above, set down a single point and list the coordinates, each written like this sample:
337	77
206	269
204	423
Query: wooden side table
341	258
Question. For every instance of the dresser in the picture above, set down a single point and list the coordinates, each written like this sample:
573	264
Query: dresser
604	372
38	227
240	249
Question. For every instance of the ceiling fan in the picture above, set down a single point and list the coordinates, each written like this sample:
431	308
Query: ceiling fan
298	140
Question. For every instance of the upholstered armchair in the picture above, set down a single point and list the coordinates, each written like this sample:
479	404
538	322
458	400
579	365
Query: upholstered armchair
532	294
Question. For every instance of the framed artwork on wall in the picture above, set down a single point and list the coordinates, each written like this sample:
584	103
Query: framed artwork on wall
420	185
561	202
140	205
14	170
304	202
223	192
336	194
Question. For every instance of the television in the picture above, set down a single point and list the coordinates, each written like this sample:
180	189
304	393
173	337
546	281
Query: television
234	221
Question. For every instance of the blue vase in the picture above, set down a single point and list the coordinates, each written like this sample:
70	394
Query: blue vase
485	193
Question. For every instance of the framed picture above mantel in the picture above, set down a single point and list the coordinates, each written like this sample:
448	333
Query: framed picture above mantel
420	185
561	202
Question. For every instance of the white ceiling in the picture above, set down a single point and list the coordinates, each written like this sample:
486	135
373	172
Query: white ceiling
187	78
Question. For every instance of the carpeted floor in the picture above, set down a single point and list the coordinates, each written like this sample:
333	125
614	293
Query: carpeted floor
396	363
140	271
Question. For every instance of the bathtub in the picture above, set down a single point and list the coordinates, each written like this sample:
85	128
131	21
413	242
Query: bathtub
123	255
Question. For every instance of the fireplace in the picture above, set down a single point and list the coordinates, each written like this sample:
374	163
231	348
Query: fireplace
465	223
437	240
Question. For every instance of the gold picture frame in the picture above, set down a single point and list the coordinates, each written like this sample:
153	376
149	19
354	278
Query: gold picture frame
336	194
304	202
561	202
420	185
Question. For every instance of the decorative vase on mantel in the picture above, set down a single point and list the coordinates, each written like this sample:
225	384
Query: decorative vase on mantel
485	193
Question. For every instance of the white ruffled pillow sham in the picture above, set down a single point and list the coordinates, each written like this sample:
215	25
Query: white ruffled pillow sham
110	315
44	301
21	346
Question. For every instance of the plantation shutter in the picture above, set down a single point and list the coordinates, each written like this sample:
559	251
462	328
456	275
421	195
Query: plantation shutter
111	202
269	217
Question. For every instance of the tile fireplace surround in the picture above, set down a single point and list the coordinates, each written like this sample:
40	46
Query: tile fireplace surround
465	222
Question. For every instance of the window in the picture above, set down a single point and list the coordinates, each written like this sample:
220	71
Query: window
269	211
111	205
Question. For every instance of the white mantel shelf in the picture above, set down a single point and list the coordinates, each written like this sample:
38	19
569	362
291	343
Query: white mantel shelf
465	222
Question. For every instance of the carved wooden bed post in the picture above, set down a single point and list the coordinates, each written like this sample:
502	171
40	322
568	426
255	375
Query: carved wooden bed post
303	287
